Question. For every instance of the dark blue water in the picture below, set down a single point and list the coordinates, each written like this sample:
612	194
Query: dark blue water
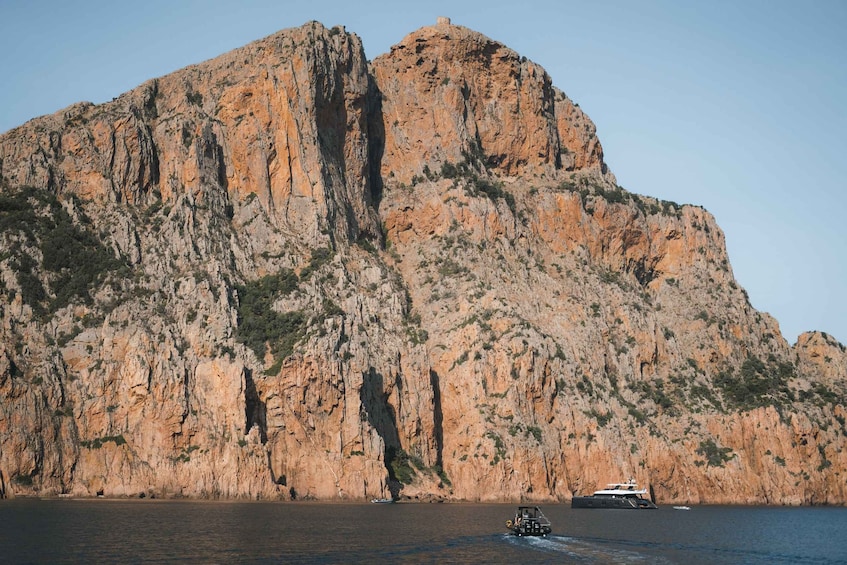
135	531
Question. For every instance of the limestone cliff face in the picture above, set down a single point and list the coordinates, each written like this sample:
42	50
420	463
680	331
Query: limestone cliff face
290	273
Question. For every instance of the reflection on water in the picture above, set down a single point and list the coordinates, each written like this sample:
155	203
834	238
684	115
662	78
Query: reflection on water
104	531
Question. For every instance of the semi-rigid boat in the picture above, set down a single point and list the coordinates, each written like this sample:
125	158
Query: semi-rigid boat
624	495
529	521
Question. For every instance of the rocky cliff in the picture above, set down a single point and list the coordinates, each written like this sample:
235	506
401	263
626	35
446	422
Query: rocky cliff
289	272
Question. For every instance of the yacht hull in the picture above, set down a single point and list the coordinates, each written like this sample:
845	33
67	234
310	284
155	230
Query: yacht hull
624	503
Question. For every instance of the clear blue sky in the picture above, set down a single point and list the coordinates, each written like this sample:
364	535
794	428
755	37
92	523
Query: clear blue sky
737	106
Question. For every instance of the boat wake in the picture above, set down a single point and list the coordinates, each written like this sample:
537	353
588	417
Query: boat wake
581	551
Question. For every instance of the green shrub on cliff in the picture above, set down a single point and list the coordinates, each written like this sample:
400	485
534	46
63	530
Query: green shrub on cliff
400	465
74	261
715	456
97	443
259	325
757	384
320	257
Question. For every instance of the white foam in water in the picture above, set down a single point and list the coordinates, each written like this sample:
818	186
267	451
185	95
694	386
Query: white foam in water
582	551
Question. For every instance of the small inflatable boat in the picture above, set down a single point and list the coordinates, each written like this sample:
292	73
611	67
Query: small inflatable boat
529	521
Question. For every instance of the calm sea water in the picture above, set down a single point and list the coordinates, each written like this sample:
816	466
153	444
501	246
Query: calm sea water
153	531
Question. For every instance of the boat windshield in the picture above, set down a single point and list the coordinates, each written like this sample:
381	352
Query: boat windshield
531	513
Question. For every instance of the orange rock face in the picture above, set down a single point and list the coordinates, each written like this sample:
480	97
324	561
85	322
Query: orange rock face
450	95
302	275
255	121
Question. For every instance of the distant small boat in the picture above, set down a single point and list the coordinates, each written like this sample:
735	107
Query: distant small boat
382	500
682	508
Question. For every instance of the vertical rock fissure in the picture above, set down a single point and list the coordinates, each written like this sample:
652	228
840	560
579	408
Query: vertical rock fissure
437	418
254	409
380	415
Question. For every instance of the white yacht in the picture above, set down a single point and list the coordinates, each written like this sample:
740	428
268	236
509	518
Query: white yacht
625	495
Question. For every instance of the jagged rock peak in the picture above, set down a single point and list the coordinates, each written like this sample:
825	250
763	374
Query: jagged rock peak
466	97
461	96
284	118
